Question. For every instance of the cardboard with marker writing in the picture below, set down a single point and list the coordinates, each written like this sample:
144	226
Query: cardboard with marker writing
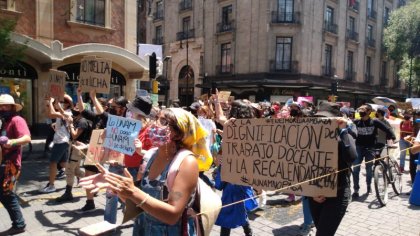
405	106
121	133
95	74
56	84
272	154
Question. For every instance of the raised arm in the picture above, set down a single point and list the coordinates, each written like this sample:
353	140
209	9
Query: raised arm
51	111
220	116
96	103
80	104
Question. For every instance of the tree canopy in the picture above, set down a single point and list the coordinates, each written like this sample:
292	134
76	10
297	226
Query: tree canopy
10	53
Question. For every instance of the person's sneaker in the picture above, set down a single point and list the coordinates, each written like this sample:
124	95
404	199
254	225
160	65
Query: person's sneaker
13	231
90	206
61	174
305	230
303	225
355	196
48	189
66	197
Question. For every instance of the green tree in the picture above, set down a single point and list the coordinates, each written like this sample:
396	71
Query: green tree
10	53
402	40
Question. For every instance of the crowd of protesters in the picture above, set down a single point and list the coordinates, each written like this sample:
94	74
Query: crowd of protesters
166	133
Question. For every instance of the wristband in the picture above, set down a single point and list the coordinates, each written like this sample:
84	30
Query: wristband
144	201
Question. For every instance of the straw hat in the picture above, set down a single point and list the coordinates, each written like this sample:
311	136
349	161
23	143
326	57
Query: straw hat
6	99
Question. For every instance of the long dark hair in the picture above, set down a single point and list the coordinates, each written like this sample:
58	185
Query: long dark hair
241	110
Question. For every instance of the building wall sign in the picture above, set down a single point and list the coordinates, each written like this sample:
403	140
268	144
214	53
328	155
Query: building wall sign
20	70
73	70
278	91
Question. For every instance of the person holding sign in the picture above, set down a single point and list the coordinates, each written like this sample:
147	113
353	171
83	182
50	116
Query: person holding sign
162	209
59	152
327	212
236	215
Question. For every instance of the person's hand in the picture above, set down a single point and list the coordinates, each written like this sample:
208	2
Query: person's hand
94	183
342	123
123	186
409	139
92	94
319	199
139	146
79	91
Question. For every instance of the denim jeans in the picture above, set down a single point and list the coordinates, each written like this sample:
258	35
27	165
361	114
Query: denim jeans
111	205
307	217
11	203
403	147
368	155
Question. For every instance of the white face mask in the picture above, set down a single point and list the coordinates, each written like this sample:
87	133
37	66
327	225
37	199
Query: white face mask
202	117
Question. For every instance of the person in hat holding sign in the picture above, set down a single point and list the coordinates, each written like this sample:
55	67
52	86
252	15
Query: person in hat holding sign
14	134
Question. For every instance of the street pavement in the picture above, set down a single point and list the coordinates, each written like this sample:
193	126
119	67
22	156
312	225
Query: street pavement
44	217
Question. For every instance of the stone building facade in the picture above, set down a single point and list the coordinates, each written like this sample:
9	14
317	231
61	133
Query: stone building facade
276	49
58	34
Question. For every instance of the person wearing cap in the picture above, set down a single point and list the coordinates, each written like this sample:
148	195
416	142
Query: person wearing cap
327	212
380	115
367	129
14	134
59	152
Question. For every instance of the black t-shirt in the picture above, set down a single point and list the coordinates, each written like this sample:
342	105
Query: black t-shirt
99	121
83	123
367	130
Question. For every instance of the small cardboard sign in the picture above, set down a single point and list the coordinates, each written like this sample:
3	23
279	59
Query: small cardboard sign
272	154
121	133
95	152
405	106
224	96
95	74
56	84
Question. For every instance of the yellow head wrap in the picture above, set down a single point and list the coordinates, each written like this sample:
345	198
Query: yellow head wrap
194	137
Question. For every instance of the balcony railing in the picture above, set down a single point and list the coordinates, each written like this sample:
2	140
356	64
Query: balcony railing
350	75
158	15
285	17
158	40
352	35
185	35
224	69
185	5
330	27
371	14
354	6
384	81
368	78
284	66
328	71
226	26
370	42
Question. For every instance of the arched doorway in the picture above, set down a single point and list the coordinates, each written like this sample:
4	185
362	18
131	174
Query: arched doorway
186	86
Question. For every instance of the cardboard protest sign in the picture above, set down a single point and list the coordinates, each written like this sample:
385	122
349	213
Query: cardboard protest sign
95	73
120	134
272	154
309	99
95	152
224	96
56	84
405	106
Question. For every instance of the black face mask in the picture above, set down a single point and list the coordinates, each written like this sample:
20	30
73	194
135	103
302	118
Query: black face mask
112	111
294	113
75	113
362	114
6	115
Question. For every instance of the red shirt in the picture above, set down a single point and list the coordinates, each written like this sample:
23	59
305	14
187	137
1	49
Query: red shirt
15	128
135	159
406	128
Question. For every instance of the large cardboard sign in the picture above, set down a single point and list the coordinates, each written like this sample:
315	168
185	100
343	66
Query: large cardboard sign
56	84
95	152
272	154
95	73
405	106
120	134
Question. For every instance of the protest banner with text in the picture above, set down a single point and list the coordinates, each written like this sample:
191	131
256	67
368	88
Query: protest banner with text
121	133
95	74
56	84
272	154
